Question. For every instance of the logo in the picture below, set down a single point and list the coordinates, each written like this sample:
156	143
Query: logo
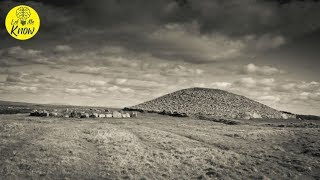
22	22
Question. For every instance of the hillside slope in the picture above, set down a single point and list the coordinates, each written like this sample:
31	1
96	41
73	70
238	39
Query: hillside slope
204	101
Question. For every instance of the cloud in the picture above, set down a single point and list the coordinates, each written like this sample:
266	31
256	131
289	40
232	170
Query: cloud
119	89
17	56
287	87
116	62
63	48
184	41
119	81
34	77
279	86
15	77
269	91
30	89
89	91
43	84
31	82
264	42
295	96
307	96
246	82
97	83
89	70
259	70
294	86
137	83
252	84
269	98
193	31
221	85
232	18
97	89
19	89
179	70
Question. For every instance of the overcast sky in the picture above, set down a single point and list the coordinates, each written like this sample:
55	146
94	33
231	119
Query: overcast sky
123	52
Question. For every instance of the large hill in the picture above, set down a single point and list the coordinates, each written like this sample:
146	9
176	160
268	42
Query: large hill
204	101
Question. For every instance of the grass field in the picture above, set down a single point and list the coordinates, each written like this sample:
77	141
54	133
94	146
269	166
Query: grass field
157	147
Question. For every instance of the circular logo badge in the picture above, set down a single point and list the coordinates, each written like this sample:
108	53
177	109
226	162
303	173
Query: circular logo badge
22	22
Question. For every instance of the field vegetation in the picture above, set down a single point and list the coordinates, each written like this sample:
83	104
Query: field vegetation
155	146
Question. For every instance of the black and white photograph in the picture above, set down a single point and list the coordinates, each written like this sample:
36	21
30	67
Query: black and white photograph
160	89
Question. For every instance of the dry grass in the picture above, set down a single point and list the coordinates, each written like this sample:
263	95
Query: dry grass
155	147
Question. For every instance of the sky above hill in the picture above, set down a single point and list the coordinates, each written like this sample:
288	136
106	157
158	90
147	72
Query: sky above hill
119	53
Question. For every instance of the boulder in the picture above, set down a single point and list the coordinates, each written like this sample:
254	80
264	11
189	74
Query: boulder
288	115
256	115
125	115
109	115
94	115
53	114
284	116
44	113
175	113
134	114
75	114
84	115
102	115
252	115
34	113
116	114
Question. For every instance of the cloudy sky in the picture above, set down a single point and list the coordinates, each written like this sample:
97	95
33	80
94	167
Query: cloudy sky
123	52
